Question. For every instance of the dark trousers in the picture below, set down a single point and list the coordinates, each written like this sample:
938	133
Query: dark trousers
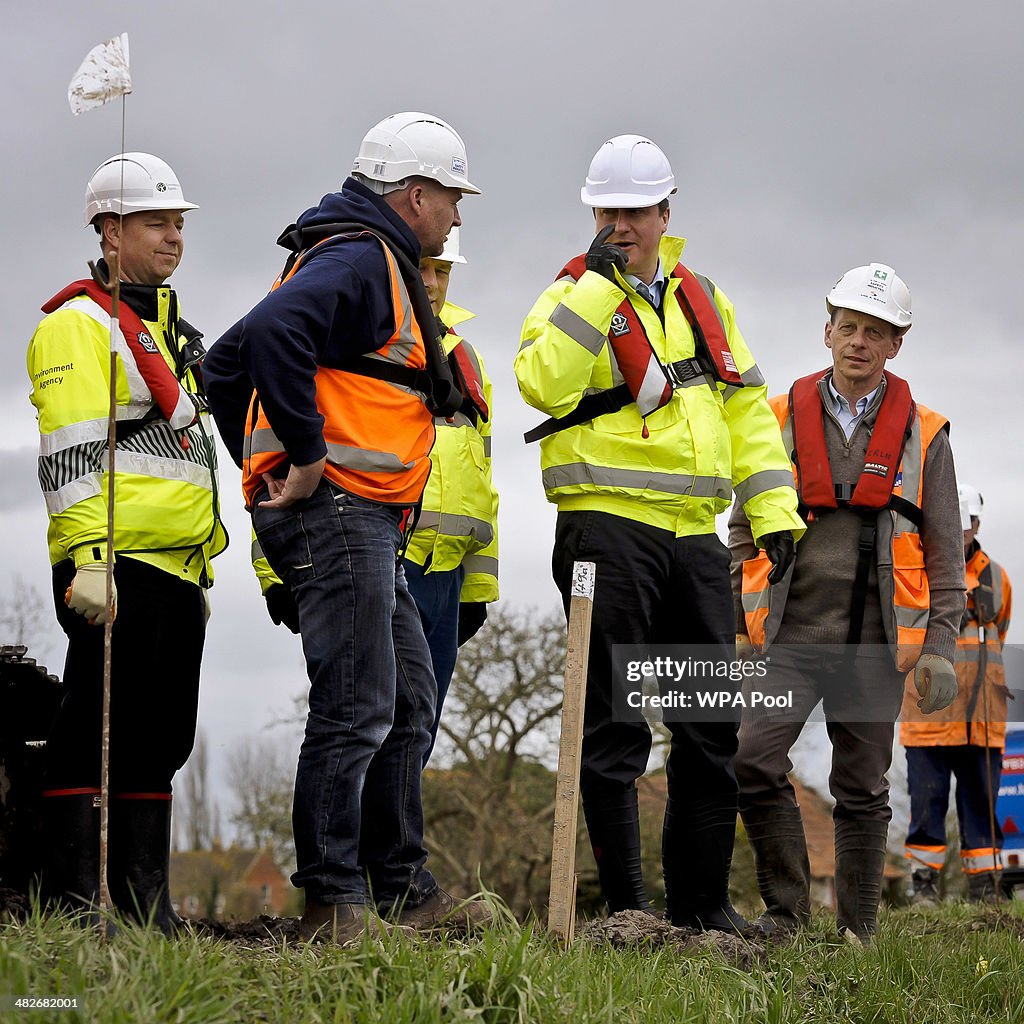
861	751
651	587
437	600
977	771
156	650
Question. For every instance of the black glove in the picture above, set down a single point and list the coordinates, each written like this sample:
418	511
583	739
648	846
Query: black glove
780	549
604	258
281	606
472	615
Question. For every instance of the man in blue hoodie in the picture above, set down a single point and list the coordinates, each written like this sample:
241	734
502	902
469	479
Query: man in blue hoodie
321	395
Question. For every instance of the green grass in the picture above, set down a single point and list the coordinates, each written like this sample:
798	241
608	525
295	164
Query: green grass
947	966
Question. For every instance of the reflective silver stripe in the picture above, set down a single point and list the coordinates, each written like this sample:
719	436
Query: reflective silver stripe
365	460
928	858
578	329
637	479
262	440
729	390
765	480
753	377
980	862
451	524
970	655
997	588
910	467
911	618
484	565
787	437
460	419
256	551
486	438
759	599
72	493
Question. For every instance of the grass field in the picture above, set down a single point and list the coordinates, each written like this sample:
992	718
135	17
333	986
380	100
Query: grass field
954	964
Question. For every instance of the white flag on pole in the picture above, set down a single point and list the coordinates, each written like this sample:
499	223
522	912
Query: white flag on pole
104	75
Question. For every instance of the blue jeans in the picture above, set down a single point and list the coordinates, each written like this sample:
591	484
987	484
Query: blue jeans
977	771
437	598
357	812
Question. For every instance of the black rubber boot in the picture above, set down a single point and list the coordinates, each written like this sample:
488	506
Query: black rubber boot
140	849
696	850
776	836
71	852
926	892
613	823
860	862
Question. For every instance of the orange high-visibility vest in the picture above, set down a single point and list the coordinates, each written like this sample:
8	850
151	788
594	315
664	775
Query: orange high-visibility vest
978	714
902	576
378	433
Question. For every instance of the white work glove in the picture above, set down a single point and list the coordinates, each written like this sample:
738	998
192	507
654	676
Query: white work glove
87	594
935	679
745	650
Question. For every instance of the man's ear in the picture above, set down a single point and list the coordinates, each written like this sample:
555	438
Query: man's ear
110	233
828	334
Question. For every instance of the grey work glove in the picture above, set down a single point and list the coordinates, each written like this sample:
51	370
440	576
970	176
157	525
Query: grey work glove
781	551
281	606
87	594
605	259
745	650
935	679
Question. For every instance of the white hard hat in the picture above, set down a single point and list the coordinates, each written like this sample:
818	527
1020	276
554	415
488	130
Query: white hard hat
451	252
147	183
411	143
628	172
876	290
970	496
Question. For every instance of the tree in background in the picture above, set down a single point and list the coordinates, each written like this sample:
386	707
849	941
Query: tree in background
197	817
26	617
261	776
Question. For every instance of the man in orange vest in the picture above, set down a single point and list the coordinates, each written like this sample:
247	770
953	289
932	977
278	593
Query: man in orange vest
325	394
966	740
876	589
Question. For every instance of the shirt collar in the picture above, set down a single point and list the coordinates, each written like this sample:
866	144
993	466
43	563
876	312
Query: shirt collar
655	288
860	406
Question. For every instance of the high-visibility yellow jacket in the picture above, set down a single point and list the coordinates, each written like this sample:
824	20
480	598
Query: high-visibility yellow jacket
677	468
458	524
978	714
167	509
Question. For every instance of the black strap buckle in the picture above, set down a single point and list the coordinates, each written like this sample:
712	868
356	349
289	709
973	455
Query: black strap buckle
682	371
844	492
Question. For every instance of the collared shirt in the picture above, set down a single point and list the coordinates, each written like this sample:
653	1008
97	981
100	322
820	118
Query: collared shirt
849	418
651	292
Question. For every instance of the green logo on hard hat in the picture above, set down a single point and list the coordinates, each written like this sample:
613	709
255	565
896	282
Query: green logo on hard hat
881	275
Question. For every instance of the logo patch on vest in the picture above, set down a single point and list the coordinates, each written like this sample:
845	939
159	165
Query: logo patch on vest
877	468
147	342
620	325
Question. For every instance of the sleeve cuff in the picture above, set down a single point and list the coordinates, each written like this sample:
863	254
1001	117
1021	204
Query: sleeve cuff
941	642
85	554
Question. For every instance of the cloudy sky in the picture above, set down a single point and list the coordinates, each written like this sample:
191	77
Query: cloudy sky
806	138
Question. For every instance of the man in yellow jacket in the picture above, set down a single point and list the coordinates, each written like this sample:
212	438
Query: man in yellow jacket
451	562
166	530
658	414
966	739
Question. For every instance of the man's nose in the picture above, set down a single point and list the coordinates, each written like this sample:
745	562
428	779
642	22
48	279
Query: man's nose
457	219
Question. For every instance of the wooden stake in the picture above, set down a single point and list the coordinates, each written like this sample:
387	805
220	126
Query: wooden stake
562	896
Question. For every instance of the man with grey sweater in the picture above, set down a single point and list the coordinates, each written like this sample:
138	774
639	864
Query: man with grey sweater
876	590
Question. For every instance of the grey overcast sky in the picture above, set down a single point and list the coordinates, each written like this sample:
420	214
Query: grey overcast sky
806	138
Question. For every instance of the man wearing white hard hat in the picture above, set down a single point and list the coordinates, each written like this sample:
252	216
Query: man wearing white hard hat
451	562
658	414
876	589
966	740
325	394
166	531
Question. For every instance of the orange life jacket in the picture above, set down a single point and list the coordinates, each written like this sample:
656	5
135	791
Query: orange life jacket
892	479
378	432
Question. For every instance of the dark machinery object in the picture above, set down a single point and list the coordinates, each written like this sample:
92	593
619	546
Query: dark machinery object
29	699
